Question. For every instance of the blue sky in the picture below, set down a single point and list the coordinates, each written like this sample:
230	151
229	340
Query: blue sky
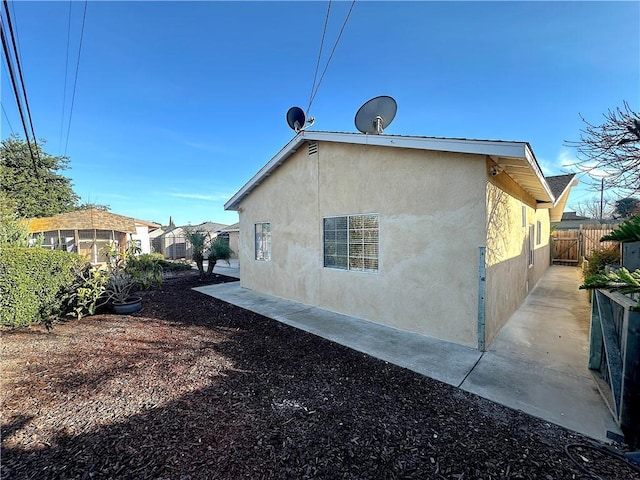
178	104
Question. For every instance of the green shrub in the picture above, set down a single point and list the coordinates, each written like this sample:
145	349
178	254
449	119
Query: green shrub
601	258
146	269
174	266
86	293
628	231
33	283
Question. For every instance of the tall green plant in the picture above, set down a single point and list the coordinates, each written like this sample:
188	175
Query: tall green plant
14	230
205	246
33	283
627	231
38	187
86	293
198	241
146	269
218	250
621	281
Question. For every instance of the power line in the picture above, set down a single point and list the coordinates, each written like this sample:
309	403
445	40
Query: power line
335	45
17	58
7	118
315	75
5	47
66	72
75	83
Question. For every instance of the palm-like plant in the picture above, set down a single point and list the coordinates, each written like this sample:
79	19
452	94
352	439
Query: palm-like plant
204	246
218	250
198	241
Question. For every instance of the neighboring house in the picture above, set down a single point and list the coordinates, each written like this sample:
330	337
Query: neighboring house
91	232
142	237
232	235
441	237
172	242
573	221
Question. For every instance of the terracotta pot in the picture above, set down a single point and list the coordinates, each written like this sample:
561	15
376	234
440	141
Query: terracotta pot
131	305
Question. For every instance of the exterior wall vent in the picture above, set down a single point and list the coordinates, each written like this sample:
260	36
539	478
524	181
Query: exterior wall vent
313	148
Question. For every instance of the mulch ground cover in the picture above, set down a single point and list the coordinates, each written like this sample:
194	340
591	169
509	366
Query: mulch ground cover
194	388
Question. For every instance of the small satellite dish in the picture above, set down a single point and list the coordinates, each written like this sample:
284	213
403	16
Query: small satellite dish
376	114
296	118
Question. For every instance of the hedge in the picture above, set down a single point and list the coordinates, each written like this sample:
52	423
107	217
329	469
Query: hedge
32	283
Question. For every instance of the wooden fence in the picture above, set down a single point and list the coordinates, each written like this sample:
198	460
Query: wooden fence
569	247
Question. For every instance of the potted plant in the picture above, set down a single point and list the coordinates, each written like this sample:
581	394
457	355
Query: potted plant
120	286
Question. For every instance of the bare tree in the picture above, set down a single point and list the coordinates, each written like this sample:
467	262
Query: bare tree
610	152
591	208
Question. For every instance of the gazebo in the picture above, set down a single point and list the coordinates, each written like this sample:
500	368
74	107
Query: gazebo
86	232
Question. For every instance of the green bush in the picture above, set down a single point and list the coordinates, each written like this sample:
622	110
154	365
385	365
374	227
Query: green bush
174	266
33	283
601	258
86	293
146	269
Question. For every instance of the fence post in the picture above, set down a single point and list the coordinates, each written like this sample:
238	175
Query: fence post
482	290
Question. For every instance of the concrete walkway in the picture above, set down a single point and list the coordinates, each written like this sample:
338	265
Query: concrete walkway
537	363
231	269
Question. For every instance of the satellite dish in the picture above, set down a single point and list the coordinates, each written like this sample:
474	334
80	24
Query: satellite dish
296	118
376	114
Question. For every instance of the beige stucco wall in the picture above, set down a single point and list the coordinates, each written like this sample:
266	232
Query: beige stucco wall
142	234
288	200
509	278
431	222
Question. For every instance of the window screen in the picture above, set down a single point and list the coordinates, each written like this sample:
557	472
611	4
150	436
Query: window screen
263	241
351	242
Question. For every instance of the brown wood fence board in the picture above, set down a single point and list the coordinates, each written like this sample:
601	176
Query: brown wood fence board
569	247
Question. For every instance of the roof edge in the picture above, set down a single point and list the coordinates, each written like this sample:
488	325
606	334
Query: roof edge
499	148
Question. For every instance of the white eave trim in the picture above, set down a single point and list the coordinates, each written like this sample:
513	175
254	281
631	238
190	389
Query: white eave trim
573	183
493	148
533	164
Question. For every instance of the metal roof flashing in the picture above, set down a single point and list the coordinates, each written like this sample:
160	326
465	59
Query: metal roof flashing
516	157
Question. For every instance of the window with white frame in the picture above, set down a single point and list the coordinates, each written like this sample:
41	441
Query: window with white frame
524	216
263	241
351	242
538	232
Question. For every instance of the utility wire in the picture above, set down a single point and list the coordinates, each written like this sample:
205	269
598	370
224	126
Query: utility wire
332	52
315	75
24	90
7	118
75	83
66	74
5	47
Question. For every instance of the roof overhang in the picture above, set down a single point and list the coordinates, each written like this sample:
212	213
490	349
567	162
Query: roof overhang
515	158
525	171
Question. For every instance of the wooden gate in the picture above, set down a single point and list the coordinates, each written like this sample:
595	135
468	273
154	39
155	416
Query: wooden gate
566	247
570	246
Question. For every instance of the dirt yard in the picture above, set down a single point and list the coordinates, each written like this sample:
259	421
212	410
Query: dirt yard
194	388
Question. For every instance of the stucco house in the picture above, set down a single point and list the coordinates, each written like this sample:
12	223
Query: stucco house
438	236
232	235
90	232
